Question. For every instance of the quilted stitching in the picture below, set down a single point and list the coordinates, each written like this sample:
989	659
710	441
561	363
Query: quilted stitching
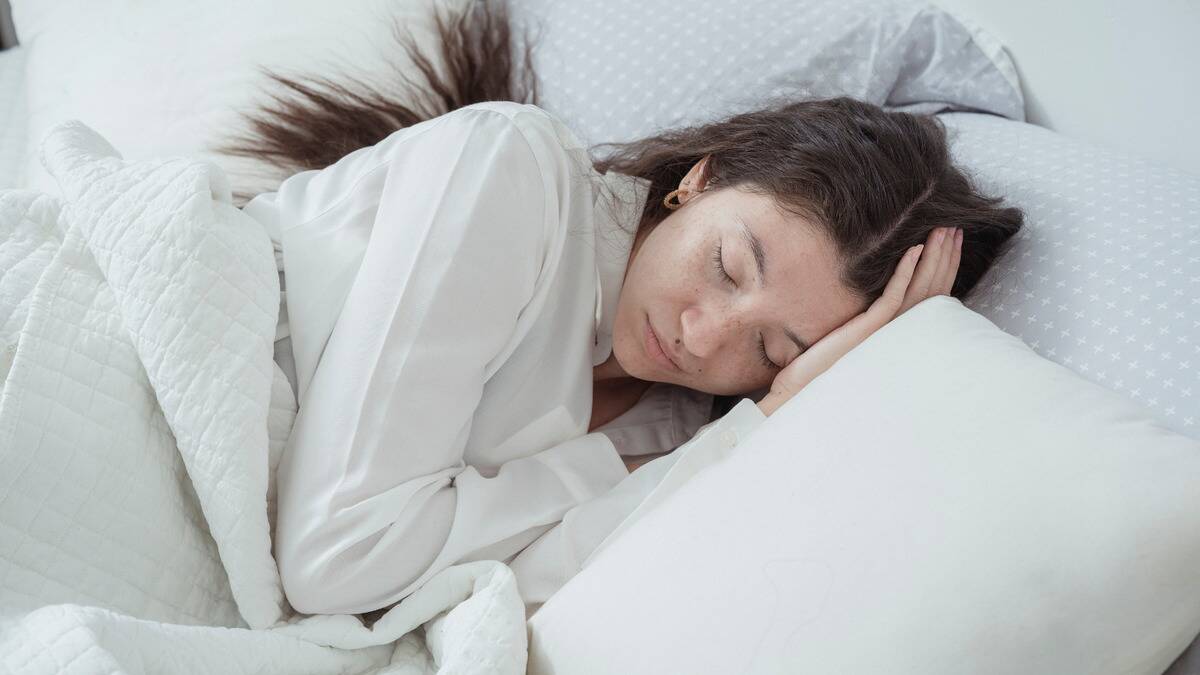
140	427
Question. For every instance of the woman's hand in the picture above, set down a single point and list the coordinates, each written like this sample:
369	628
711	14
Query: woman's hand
933	275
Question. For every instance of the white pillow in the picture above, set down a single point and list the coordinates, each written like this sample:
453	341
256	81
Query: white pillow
167	78
1105	276
941	501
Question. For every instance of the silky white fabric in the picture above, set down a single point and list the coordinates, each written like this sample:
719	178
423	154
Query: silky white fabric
666	415
448	291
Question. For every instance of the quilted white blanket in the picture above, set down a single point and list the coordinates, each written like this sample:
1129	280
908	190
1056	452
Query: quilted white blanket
141	419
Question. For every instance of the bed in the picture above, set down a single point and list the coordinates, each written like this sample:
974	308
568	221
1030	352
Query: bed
214	604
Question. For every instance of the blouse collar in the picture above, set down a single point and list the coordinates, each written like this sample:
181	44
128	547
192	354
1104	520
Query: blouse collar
614	233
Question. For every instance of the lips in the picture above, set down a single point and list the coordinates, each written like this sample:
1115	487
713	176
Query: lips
655	350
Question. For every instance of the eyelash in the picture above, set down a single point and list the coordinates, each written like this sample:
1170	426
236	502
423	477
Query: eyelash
720	267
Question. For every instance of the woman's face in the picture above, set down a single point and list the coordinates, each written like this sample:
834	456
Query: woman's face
712	327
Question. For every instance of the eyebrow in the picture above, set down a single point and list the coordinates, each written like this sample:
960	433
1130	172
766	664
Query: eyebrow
760	262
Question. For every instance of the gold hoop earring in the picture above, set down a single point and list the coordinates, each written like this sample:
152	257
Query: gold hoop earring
674	193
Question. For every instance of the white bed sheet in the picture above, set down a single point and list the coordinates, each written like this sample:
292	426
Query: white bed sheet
13	116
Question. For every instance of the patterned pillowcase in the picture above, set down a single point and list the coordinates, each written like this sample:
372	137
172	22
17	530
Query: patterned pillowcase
622	69
1105	276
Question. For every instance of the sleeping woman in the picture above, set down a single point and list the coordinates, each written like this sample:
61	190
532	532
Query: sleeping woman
470	298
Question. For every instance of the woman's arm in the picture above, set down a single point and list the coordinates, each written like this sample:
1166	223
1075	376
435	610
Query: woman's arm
374	494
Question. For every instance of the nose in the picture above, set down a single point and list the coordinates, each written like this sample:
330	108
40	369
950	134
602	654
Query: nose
707	328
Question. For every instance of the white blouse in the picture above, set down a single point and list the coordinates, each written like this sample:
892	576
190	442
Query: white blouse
448	291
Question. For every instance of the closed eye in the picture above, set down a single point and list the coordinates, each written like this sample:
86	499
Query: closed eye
762	348
719	266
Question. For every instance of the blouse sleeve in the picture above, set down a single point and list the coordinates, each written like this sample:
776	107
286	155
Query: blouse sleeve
374	493
559	554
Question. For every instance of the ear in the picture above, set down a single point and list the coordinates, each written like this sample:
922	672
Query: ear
697	177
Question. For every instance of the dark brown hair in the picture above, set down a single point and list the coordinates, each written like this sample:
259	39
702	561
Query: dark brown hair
322	119
875	182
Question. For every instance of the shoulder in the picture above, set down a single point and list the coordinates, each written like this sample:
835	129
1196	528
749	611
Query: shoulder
534	122
558	152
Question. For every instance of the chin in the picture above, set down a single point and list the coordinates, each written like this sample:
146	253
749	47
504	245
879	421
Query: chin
634	366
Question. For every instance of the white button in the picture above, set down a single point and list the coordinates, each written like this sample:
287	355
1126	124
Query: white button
729	438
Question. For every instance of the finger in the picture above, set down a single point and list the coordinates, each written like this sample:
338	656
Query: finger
944	273
958	244
927	270
918	290
888	304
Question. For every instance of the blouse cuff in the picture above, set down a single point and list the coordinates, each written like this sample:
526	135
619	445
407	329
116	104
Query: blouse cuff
737	423
744	418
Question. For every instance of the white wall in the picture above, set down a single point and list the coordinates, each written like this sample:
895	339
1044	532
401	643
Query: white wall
1125	74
